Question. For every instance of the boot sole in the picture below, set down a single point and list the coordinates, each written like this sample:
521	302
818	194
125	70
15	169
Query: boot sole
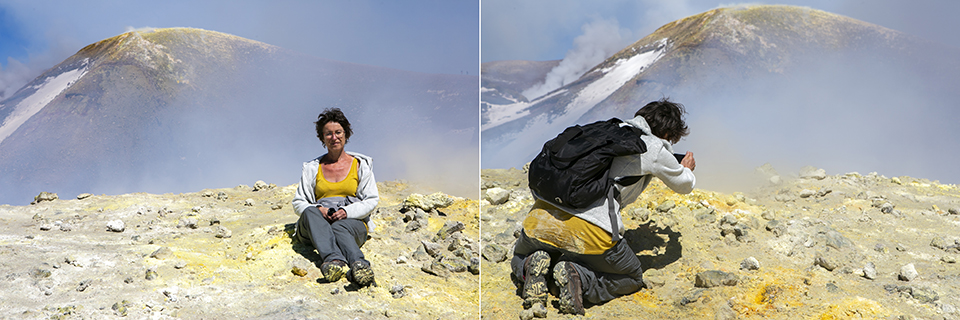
570	298
535	283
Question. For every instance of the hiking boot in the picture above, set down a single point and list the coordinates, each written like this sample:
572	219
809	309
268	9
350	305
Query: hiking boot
333	270
535	268
571	291
362	273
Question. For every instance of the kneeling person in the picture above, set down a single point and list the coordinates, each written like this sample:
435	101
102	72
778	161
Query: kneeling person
588	257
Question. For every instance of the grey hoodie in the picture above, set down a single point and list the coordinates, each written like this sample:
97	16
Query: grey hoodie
658	162
366	190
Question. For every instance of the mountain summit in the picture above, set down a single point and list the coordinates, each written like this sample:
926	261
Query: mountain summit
761	83
182	109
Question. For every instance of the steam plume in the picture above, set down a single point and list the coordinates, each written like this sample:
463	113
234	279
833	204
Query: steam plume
601	38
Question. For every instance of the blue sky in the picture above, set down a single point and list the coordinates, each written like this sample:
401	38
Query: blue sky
431	36
545	29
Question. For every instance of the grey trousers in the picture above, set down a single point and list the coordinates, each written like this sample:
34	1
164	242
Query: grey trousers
340	240
604	277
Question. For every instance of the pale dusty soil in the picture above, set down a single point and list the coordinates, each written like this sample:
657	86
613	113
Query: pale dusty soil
677	244
85	272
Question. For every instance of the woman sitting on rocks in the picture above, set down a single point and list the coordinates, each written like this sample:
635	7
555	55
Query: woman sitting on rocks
336	195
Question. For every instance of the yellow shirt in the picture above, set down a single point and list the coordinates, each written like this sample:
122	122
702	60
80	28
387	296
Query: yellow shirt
347	187
560	229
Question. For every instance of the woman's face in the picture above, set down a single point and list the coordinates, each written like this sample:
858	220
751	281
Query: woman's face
333	136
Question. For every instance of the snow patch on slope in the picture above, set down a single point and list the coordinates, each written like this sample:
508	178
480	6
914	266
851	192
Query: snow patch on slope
500	114
46	92
541	128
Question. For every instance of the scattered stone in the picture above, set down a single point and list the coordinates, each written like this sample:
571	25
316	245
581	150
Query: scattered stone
398	291
776	227
939	243
196	209
180	265
436	268
66	227
725	312
188	223
45	196
122	307
433	201
954	211
73	261
260	185
908	272
432	248
401	259
886	207
277	206
298	271
691	297
494	252
249	202
116	226
474	267
40	273
750	263
84	196
828	263
948	259
526	314
714	278
666	206
222	196
449	228
809	172
455	264
539	311
806	193
335	291
222	232
151	274
870	271
924	295
162	253
497	195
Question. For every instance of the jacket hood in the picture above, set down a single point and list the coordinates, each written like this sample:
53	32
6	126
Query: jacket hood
640	123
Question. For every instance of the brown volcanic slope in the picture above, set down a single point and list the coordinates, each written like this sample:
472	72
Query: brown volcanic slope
185	109
812	234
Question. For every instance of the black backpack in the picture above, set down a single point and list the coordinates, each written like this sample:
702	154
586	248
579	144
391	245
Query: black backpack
573	169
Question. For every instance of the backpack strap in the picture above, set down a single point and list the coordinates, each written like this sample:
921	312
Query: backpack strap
612	211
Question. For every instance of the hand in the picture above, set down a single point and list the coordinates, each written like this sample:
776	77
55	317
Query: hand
688	161
339	214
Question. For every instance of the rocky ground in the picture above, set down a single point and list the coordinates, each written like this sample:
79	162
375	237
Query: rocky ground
229	253
802	246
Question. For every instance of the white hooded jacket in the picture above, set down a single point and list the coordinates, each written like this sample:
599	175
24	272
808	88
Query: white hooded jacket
366	190
658	162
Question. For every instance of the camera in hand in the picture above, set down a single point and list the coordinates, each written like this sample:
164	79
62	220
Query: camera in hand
679	156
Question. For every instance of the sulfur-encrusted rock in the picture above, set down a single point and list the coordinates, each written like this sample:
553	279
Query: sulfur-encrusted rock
715	278
429	202
497	195
116	226
809	172
45	196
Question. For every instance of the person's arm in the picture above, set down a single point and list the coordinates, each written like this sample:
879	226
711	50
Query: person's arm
304	196
678	177
366	191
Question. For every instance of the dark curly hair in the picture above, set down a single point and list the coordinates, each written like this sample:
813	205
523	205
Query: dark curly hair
665	118
333	115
